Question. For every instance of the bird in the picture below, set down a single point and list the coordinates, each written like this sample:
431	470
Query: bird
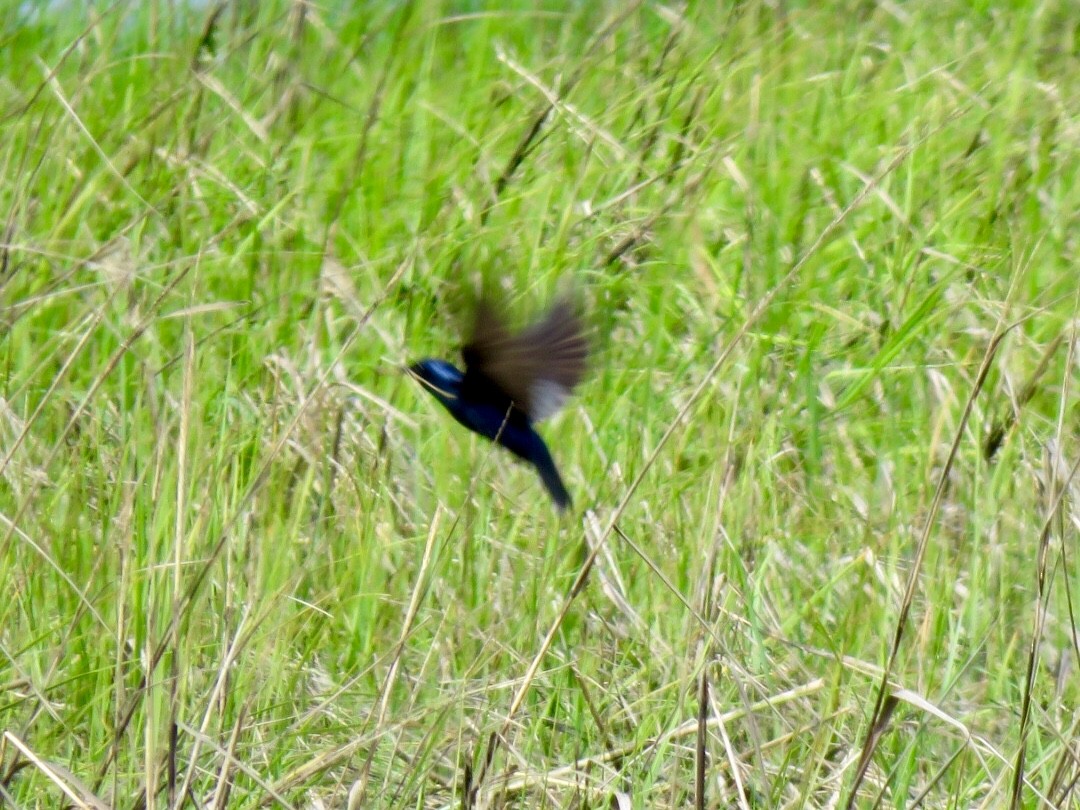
511	381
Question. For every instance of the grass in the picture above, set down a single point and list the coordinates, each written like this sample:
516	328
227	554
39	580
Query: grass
823	551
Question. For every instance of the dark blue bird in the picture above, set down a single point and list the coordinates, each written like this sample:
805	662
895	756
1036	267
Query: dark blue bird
511	381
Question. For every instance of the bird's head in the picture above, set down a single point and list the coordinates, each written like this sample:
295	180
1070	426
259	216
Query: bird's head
442	379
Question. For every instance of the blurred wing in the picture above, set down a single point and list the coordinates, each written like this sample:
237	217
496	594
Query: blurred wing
536	368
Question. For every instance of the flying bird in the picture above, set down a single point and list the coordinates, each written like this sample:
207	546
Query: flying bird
512	381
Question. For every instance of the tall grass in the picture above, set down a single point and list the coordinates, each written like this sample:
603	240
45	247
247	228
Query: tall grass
824	544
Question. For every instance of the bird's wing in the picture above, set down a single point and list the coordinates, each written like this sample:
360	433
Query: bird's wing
538	367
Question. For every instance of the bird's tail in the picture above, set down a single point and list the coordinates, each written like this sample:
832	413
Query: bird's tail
550	476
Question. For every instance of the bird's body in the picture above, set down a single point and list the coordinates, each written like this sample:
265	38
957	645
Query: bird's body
512	381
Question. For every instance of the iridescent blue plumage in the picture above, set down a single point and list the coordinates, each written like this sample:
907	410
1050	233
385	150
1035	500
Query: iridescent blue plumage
512	381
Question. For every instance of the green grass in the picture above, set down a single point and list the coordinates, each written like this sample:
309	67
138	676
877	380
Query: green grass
246	562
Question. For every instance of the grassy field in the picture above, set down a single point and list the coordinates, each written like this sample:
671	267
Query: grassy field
823	551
